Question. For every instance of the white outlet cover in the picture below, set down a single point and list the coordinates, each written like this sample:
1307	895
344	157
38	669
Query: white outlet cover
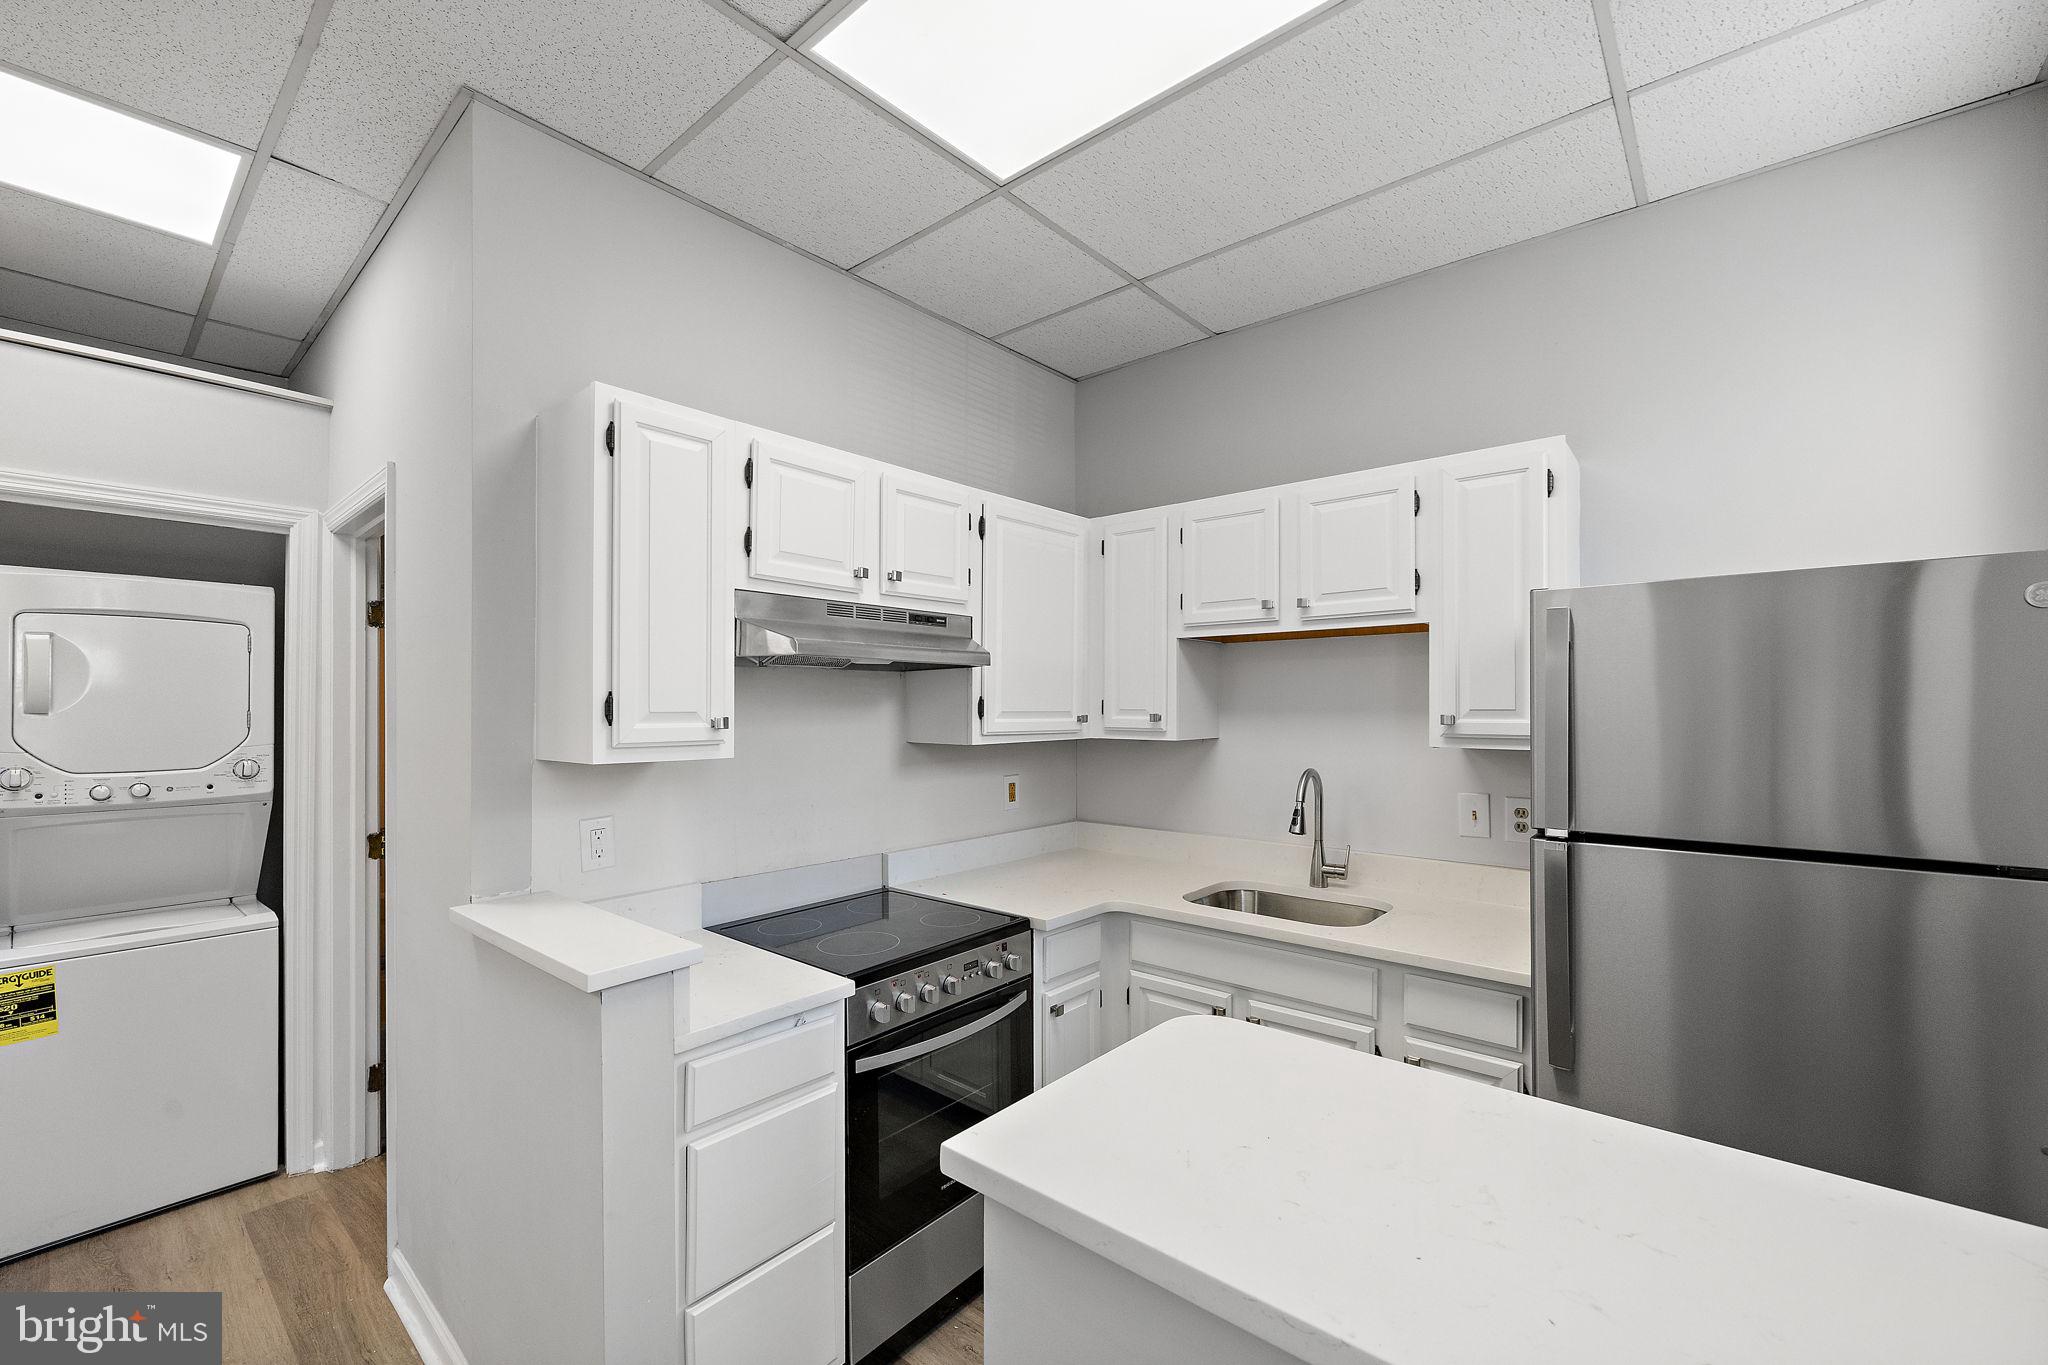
1516	819
597	843
1475	815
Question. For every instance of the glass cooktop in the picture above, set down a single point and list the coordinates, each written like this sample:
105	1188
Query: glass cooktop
869	935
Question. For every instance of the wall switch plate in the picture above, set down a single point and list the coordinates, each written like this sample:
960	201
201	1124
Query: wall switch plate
1010	789
1514	819
1475	815
598	848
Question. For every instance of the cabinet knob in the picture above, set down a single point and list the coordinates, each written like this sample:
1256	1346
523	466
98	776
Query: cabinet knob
1265	604
1080	720
1254	1019
895	575
1413	1061
861	572
1219	1009
1058	1010
1447	720
1154	717
1301	602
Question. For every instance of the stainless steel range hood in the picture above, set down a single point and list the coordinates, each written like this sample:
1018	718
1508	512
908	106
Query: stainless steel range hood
779	631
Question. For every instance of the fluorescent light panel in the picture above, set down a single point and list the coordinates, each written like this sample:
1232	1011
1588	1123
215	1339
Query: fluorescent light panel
1007	83
63	147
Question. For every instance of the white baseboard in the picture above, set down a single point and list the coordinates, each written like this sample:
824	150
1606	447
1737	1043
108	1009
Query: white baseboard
423	1322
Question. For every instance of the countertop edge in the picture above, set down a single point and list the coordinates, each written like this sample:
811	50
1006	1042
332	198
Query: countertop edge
656	953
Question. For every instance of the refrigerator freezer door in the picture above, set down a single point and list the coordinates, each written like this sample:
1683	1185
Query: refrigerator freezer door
1881	1023
1892	710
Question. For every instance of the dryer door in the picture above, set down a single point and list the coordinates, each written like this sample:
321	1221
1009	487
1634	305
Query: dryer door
109	693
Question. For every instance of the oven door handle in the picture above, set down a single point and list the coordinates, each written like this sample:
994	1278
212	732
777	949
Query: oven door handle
929	1045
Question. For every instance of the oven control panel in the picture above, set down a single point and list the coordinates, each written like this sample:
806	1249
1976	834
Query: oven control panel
909	995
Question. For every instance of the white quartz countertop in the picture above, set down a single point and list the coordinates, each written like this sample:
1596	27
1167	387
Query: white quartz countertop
1346	1208
589	948
737	986
1438	926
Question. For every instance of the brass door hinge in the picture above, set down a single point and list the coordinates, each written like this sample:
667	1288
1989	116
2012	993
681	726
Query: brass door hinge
376	846
376	1078
376	615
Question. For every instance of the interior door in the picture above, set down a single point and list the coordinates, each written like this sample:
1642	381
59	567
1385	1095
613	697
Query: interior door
1230	561
812	517
671	595
1135	643
98	692
1035	602
1494	549
928	541
1356	546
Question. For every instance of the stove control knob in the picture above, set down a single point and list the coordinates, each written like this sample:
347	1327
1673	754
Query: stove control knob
14	779
992	967
905	1001
950	985
138	789
101	792
1012	962
927	992
878	1011
247	769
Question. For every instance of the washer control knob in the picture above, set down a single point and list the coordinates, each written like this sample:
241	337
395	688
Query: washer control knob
247	768
878	1011
950	985
927	992
102	792
14	779
905	1001
138	789
1012	962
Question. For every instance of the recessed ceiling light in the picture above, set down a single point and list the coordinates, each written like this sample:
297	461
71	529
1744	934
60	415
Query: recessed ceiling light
1006	83
63	147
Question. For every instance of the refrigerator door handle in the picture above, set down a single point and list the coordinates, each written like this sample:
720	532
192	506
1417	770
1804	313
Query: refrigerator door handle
1553	757
1553	888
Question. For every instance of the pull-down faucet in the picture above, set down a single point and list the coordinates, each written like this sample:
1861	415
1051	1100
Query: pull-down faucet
1319	872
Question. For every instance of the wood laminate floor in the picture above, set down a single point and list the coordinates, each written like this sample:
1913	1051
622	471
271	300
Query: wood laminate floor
299	1262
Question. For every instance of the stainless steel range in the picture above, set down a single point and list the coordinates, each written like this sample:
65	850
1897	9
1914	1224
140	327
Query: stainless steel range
938	1037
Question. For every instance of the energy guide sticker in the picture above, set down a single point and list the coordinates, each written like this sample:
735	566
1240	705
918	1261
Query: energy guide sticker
28	1003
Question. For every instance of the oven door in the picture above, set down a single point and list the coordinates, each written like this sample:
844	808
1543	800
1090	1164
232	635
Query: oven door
910	1090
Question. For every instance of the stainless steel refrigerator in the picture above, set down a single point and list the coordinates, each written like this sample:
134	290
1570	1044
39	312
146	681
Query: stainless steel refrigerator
1791	875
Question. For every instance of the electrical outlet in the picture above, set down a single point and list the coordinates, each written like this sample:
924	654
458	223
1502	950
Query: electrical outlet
1010	789
599	849
1514	819
1475	815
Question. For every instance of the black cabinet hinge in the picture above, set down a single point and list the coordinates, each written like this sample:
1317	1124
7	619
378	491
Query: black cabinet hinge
1418	580
375	615
374	846
607	708
1550	483
980	707
1105	549
374	1083
747	543
1183	601
611	438
1418	502
747	471
981	528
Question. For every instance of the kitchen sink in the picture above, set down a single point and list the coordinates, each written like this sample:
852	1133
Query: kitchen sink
1294	905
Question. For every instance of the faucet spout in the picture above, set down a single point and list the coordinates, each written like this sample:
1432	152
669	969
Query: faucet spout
1320	869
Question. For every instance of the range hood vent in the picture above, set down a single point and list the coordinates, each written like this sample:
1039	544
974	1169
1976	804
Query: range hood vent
775	630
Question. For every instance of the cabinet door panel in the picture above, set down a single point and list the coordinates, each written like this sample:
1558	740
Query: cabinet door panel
1135	624
1357	550
671	603
1156	999
752	1191
1034	601
811	517
1471	1066
1071	1027
1230	561
1309	1023
1493	557
789	1312
928	541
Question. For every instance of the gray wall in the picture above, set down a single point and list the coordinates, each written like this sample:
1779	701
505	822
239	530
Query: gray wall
1837	361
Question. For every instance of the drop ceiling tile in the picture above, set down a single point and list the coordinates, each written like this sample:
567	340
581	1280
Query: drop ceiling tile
1862	73
244	349
1568	173
1124	326
77	246
1658	37
300	237
1383	89
799	157
66	308
213	65
993	268
779	17
623	76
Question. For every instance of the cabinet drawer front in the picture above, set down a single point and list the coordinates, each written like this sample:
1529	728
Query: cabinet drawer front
1351	986
1463	1011
789	1312
757	1188
1070	950
729	1081
1309	1024
1471	1066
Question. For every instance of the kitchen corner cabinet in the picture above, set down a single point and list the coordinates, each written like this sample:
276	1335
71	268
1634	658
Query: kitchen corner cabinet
1507	524
1151	685
633	611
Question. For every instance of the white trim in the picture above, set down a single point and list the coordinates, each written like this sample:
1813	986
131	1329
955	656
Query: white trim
308	1067
416	1313
137	362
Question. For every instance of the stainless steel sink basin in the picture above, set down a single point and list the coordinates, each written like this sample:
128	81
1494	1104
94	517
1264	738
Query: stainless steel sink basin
1276	904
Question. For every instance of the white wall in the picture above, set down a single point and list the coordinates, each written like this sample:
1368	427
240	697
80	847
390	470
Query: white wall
584	272
1837	361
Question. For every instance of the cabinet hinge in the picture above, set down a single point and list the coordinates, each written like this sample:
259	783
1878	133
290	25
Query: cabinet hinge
1183	601
611	438
1183	535
375	615
374	846
1105	549
1418	502
1550	483
1127	995
607	708
980	707
1102	706
747	543
747	471
374	1083
1418	580
981	528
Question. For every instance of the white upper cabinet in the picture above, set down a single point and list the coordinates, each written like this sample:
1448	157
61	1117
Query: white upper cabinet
1505	527
929	547
811	517
1034	597
633	616
1136	620
1230	560
1355	545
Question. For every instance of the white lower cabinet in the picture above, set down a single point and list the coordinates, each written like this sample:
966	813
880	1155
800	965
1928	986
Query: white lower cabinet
1070	1026
1310	1024
755	1188
1156	998
791	1311
1456	1061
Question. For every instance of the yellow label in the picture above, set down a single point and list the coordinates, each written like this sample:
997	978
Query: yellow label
28	1003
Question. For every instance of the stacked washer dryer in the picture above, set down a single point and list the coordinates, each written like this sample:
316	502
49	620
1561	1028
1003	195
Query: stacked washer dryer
138	973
